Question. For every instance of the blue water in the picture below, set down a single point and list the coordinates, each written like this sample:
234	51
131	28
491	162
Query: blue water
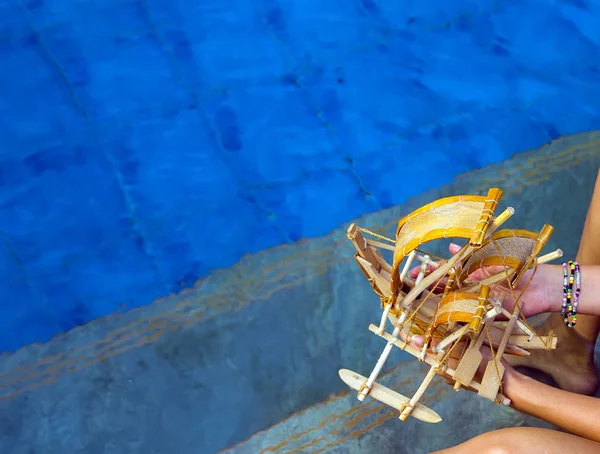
145	143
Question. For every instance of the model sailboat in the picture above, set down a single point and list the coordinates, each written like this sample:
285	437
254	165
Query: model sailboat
445	307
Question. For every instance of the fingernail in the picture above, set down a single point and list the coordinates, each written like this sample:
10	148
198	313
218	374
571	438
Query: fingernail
418	341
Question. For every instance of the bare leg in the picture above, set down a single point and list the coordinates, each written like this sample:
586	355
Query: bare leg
589	253
571	365
526	440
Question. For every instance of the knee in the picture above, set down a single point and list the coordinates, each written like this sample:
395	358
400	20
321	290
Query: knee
500	448
498	442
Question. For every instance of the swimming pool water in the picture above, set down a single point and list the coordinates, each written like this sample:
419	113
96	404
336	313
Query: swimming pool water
147	142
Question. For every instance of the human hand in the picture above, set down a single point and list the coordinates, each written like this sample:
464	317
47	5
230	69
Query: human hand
533	284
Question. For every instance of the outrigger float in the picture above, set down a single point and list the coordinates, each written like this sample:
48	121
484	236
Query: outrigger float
446	307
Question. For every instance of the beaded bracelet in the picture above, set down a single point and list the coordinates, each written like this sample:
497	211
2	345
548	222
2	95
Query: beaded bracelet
563	312
570	299
576	295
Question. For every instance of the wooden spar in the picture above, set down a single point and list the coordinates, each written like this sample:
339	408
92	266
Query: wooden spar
407	266
537	343
389	304
361	246
410	405
450	339
491	202
521	325
500	219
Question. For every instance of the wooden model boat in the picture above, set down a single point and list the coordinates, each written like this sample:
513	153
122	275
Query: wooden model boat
460	312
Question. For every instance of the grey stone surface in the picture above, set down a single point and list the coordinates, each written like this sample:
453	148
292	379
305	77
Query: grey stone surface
249	346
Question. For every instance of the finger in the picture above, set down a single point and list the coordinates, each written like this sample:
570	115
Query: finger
454	248
412	339
437	286
485	272
417	340
415	271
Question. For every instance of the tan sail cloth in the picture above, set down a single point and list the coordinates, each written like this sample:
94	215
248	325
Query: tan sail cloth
466	216
463	307
513	248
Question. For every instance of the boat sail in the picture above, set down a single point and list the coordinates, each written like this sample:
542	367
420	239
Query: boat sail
444	305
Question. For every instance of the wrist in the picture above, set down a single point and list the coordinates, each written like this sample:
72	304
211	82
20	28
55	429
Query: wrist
553	288
513	383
